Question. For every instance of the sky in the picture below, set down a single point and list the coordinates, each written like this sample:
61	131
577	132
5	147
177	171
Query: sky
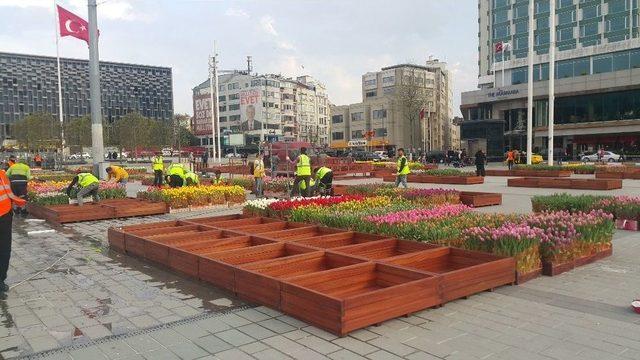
335	41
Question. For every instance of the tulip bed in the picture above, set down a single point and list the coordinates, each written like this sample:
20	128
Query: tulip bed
549	240
194	196
53	192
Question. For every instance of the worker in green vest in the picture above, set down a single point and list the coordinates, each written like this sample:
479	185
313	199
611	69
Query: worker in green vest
312	187
191	178
324	180
217	178
303	171
19	174
157	164
176	175
87	184
402	169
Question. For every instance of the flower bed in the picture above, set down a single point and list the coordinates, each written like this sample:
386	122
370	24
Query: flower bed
53	192
565	183
195	196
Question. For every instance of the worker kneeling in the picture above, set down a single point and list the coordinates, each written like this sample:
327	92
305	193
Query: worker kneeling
191	178
87	185
324	180
117	174
176	175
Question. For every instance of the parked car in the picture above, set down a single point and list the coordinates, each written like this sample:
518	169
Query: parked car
608	156
79	156
436	156
232	155
383	154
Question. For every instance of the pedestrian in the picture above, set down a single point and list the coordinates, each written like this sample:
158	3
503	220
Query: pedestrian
510	159
157	164
303	171
192	162
176	175
37	160
274	165
217	179
205	158
516	156
117	174
402	169
19	175
481	160
258	175
7	201
191	178
87	184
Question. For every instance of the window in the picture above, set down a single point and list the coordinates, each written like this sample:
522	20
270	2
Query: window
370	82
616	23
389	91
602	64
233	86
564	69
388	79
357	134
222	98
542	23
500	16
256	82
234	107
521	11
634	59
566	17
617	6
501	31
522	27
521	43
357	116
564	34
519	76
223	119
590	12
379	114
542	6
234	118
542	39
621	61
541	72
222	108
581	67
589	29
337	135
564	3
500	3
337	119
370	93
381	132
234	96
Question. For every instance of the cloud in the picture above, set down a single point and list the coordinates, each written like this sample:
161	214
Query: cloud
234	12
285	45
112	10
26	3
266	23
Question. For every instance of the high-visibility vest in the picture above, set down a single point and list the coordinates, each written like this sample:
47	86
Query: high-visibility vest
193	176
19	169
176	169
322	172
405	170
303	185
258	168
158	163
217	181
86	179
304	165
6	195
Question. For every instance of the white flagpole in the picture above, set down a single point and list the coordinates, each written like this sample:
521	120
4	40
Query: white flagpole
212	103
503	46
60	114
530	85
215	80
552	79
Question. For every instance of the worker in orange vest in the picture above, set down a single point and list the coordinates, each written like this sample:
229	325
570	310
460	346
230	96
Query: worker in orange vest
7	200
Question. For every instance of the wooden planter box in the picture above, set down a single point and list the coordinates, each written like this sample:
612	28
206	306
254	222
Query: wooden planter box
134	239
564	183
618	175
105	209
383	249
157	248
218	268
339	189
522	278
553	269
116	239
209	221
480	199
353	297
530	173
340	240
186	259
463	272
271	227
301	233
428	179
239	224
260	282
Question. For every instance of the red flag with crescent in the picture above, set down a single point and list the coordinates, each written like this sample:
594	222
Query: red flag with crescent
72	25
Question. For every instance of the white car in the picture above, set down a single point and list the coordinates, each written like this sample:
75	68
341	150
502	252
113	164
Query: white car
607	156
232	155
383	155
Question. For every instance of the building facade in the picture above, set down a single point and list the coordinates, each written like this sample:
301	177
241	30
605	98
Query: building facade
264	108
29	84
597	77
381	120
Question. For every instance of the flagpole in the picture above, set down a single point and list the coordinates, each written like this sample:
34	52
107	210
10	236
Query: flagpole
60	114
97	141
530	85
552	79
215	80
503	45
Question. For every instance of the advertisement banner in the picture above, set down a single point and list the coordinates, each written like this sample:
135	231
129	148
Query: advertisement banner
202	112
251	115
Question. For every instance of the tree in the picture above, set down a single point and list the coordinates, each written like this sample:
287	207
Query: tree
133	131
412	97
77	132
38	131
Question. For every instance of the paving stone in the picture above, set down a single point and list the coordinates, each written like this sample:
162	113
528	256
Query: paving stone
233	354
96	332
167	337
319	345
253	315
88	353
235	337
355	345
213	344
253	347
191	331
277	326
187	351
143	343
116	349
213	325
270	354
383	355
256	331
345	355
43	343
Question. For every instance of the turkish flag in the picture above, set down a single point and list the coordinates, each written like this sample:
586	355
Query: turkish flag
72	25
499	47
421	114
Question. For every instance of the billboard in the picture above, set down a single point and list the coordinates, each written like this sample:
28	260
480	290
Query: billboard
202	112
251	111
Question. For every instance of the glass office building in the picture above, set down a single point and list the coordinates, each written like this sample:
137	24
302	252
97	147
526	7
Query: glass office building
29	84
597	73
